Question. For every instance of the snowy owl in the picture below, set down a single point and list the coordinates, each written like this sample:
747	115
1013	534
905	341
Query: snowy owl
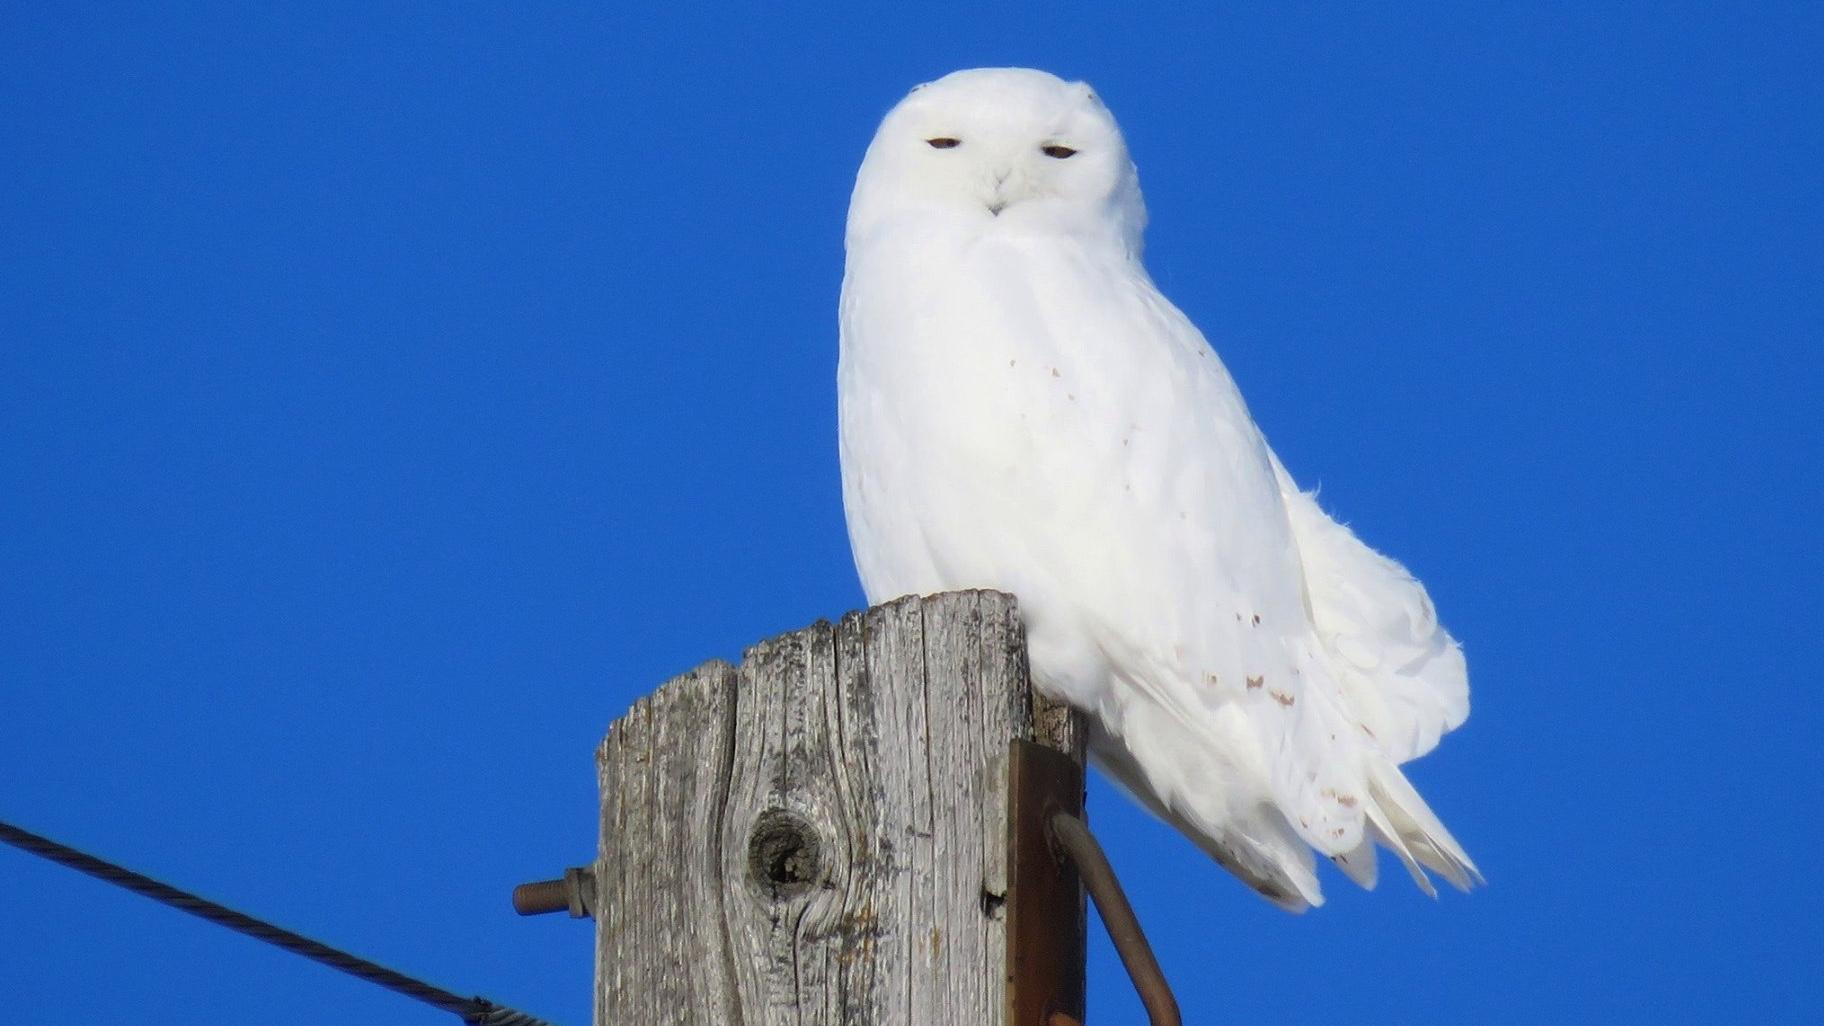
1020	409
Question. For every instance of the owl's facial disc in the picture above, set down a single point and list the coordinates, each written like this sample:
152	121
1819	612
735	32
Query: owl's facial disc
1009	149
1004	175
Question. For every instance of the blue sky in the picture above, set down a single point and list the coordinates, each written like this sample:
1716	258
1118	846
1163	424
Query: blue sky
391	394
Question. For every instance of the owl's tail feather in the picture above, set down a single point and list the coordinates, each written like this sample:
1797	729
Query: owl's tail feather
1269	858
1262	850
1400	820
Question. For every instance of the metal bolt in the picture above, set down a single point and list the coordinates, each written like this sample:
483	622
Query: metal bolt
575	893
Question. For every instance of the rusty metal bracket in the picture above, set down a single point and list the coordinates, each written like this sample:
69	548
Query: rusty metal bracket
1052	859
1073	837
575	893
1045	915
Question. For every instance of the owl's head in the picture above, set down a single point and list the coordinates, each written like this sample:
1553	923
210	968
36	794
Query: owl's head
1008	149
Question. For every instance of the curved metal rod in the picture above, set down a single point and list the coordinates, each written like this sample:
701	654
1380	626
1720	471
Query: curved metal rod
1073	837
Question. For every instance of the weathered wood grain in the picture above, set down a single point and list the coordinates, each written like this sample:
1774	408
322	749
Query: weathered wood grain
819	836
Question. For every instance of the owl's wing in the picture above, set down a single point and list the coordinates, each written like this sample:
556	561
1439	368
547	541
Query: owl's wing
1381	680
1402	675
1272	631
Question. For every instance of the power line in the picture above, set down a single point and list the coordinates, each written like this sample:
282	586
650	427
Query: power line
476	1011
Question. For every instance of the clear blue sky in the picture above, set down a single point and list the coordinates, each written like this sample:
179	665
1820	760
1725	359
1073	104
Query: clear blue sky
389	397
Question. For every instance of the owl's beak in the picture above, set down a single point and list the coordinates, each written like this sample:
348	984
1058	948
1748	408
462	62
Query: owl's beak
998	202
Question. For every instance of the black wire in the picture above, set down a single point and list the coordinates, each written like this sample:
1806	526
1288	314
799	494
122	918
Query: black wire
477	1011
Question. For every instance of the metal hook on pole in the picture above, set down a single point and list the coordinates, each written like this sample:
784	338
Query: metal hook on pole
1073	838
1053	859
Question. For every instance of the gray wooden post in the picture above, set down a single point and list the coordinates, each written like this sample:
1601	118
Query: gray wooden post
820	835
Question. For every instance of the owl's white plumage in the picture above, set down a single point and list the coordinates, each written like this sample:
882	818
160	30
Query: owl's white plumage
1020	409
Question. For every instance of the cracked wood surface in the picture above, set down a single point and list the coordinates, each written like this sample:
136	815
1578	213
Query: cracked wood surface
819	836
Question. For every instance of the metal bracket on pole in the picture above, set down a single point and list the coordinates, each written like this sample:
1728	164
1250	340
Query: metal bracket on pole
1080	846
1045	916
1052	858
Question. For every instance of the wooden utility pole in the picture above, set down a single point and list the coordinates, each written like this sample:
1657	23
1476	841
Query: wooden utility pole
821	835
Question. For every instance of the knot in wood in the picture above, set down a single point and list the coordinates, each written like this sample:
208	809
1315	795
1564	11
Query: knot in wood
784	856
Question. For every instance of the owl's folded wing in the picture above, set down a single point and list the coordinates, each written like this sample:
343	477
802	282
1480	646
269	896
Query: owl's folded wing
1402	675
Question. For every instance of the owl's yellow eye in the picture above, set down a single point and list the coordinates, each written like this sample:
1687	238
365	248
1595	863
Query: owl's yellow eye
1060	152
943	142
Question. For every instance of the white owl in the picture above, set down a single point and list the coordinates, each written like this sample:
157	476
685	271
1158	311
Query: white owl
1022	410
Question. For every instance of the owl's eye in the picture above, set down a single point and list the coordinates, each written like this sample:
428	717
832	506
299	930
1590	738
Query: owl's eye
1060	152
943	142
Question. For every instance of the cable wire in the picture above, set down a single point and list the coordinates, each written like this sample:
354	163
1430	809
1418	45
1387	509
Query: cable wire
476	1011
